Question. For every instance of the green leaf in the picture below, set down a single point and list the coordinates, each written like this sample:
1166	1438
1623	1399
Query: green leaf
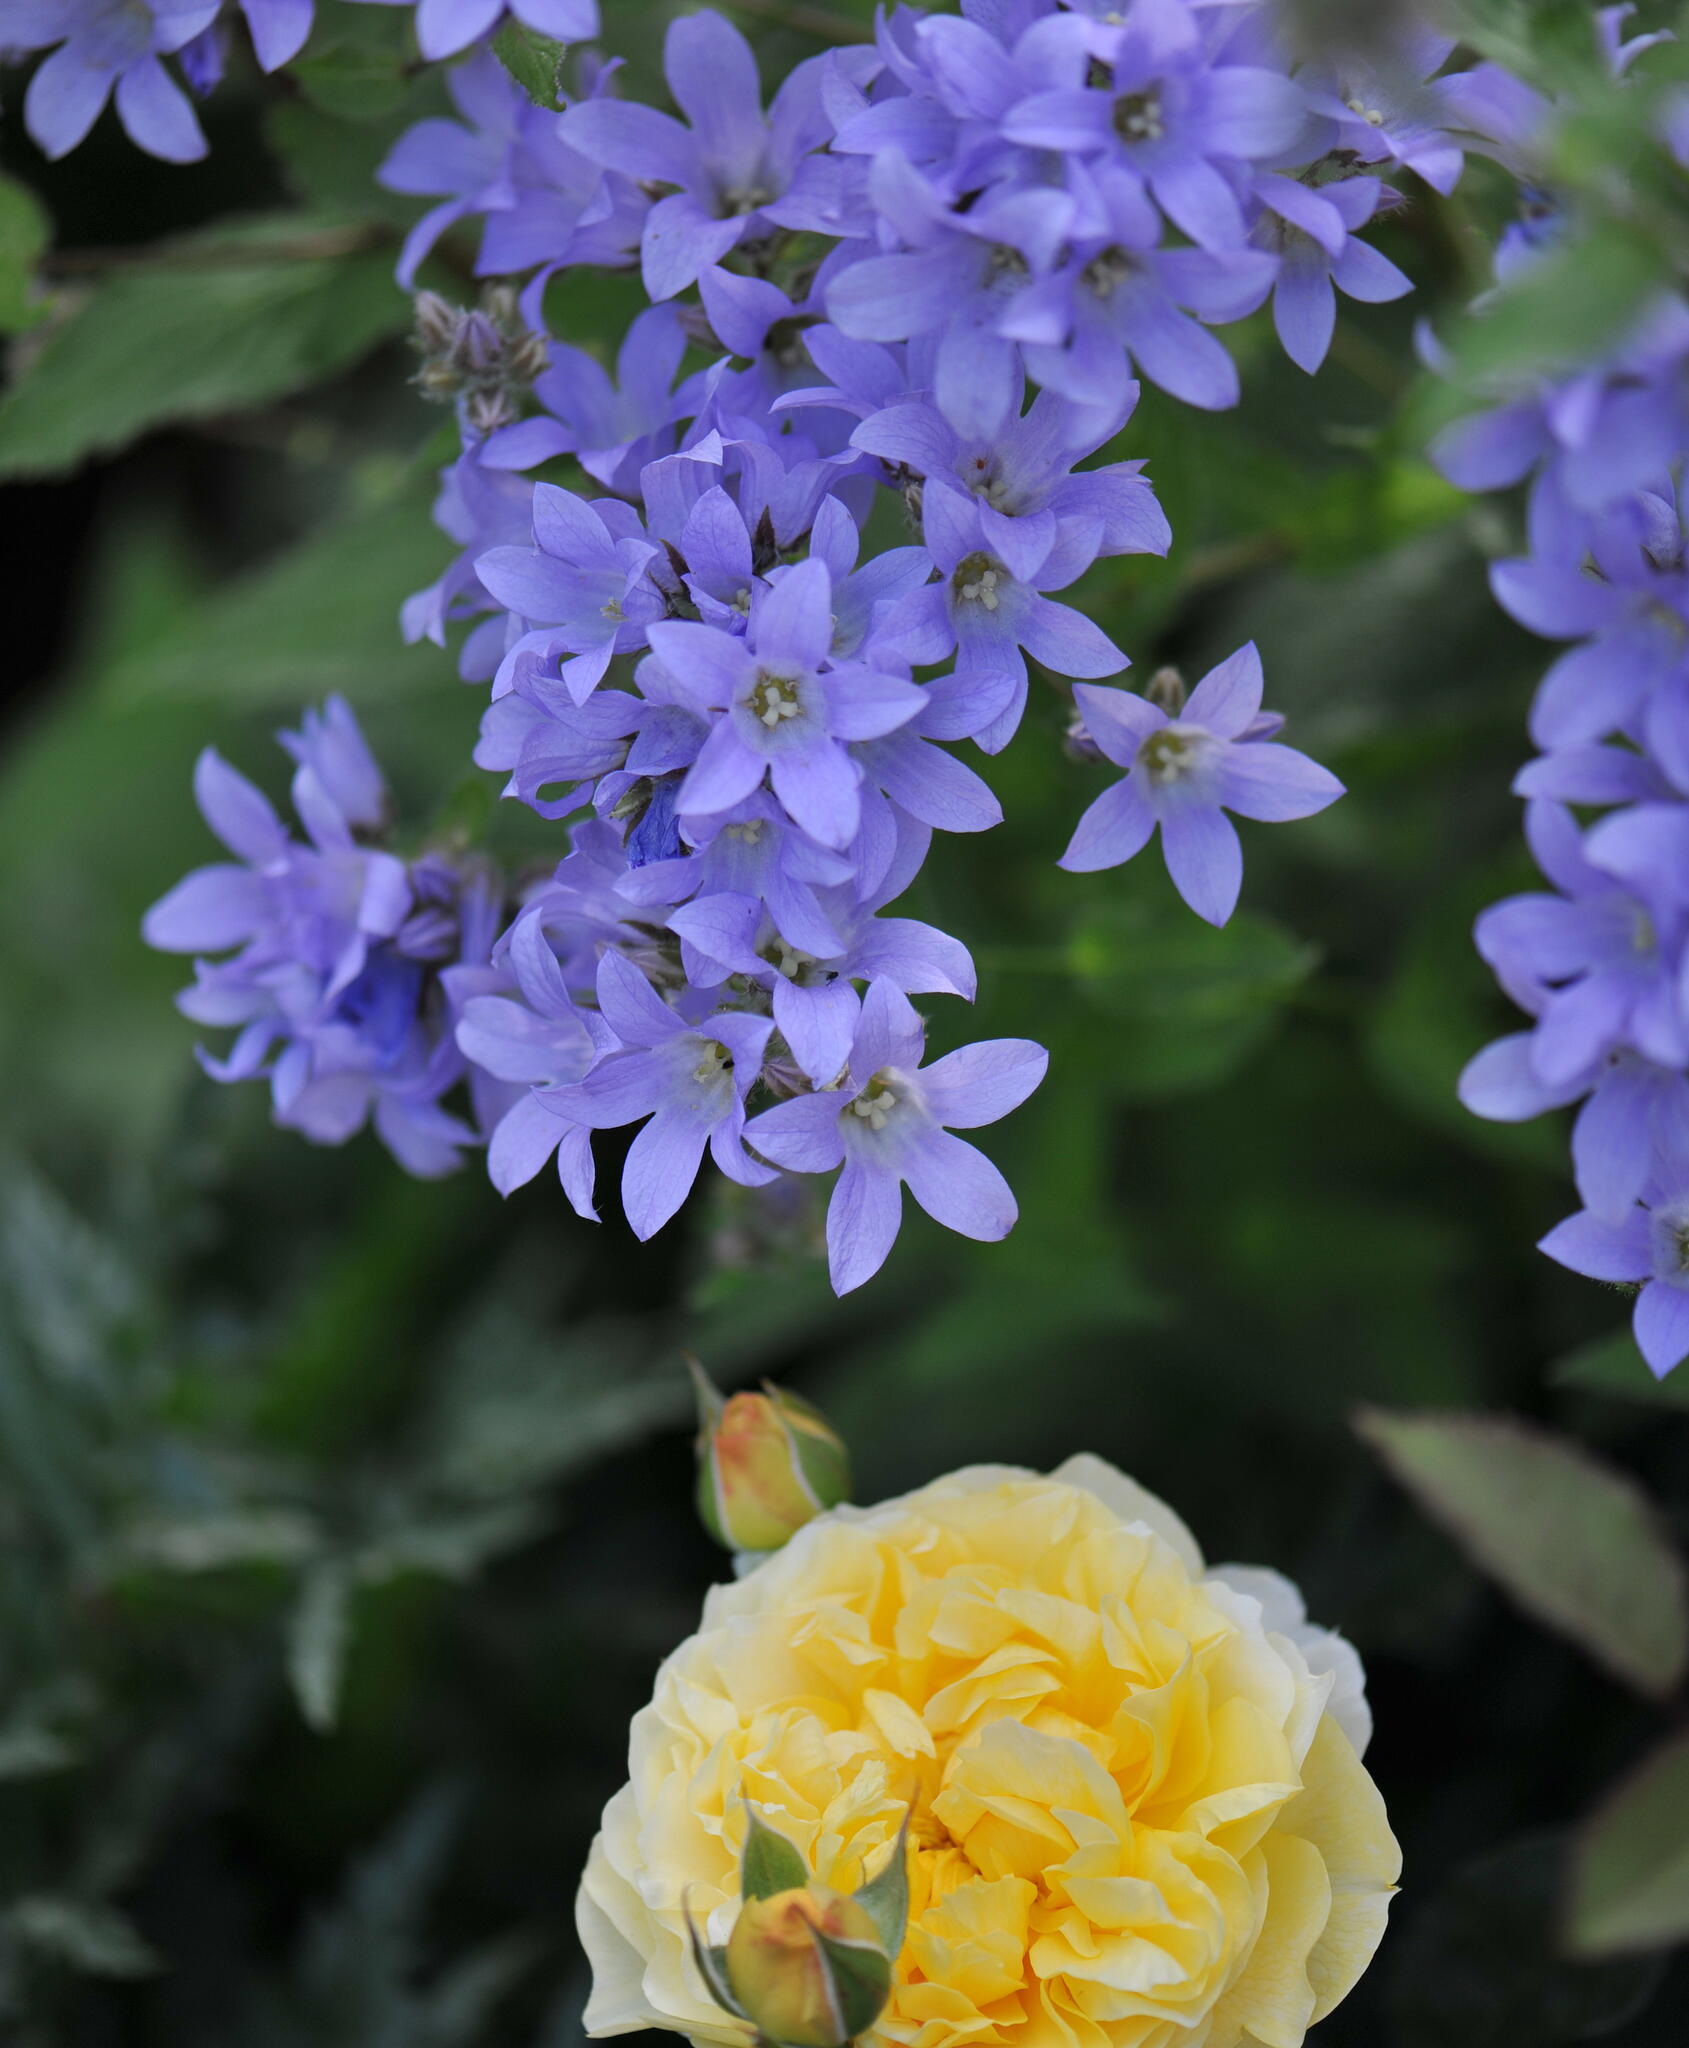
209	325
326	609
25	232
1572	1540
356	63
1563	311
93	1938
712	1965
1192	1003
861	1980
1630	1880
534	61
318	1633
769	1863
885	1898
1614	1367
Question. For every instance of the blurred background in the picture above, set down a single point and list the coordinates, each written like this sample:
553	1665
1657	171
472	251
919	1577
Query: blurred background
344	1520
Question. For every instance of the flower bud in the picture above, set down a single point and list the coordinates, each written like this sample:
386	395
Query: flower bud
806	1968
767	1464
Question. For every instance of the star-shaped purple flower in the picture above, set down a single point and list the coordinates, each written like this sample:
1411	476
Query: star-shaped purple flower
890	1126
1184	774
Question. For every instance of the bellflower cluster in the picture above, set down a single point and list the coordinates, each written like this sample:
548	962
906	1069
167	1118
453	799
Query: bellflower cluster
102	50
922	273
342	957
1598	960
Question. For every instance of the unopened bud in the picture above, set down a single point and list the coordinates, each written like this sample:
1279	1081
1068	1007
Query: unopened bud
767	1464
1166	688
806	1968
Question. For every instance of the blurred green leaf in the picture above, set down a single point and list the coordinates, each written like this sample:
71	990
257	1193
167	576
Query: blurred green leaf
318	1634
25	232
321	616
1630	1879
230	318
1574	1541
1192	1003
355	63
91	1937
1613	1366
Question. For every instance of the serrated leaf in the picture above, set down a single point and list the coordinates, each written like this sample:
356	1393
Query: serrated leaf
25	232
1630	1879
88	1935
318	1633
1574	1541
210	325
533	60
769	1863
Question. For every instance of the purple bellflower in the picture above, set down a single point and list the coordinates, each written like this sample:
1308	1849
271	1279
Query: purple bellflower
1184	773
890	1124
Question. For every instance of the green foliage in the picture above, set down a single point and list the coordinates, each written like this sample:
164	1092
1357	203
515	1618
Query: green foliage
1569	1538
768	1863
1631	1879
25	232
533	60
207	325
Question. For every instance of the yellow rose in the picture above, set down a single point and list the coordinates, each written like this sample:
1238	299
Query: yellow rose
1139	1815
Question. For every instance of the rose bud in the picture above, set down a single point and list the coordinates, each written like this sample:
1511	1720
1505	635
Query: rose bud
806	1968
767	1464
805	1965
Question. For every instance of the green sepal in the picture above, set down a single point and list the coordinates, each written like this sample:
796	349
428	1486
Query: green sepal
861	1980
712	1966
534	61
885	1898
769	1863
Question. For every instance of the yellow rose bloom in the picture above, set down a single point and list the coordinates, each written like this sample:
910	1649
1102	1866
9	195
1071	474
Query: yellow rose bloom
1139	1816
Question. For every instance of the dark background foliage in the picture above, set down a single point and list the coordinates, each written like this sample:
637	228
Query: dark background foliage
344	1520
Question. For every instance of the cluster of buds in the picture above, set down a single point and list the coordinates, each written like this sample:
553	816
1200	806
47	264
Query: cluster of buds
806	1966
767	1464
482	361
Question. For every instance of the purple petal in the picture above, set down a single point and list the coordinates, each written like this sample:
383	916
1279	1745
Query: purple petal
819	1025
1275	783
1601	1250
157	113
1502	1083
1613	1142
525	1138
631	1006
801	1135
977	1084
1067	642
959	1187
862	1224
1661	1323
209	910
794	616
1204	858
1228	699
64	100
724	774
1117	826
237	811
662	1164
1305	313
819	788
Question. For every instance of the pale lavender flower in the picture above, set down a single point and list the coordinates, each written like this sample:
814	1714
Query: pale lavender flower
107	49
690	1078
1184	774
889	1126
1648	1245
1314	235
784	714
